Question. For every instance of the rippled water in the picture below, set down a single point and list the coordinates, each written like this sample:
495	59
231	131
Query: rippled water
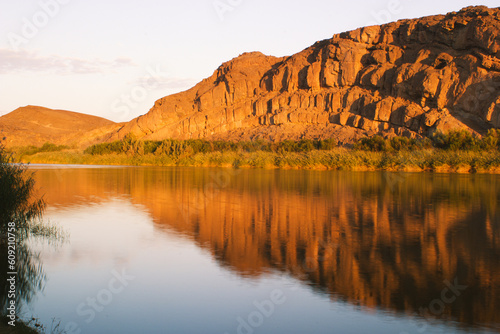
186	250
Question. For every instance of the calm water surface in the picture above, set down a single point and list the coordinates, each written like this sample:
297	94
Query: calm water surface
185	250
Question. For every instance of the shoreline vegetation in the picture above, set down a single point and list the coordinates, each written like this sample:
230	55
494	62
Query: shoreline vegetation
21	213
456	151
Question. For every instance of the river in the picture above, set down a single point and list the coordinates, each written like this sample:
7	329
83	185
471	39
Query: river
202	250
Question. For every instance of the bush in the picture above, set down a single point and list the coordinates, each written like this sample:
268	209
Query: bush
105	148
372	144
177	148
47	147
408	144
492	140
327	144
456	140
16	193
19	206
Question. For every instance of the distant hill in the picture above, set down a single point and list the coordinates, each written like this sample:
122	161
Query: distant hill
32	125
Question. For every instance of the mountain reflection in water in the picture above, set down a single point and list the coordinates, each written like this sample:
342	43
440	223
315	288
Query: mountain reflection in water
390	241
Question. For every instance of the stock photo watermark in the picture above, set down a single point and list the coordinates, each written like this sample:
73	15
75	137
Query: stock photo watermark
208	194
139	93
437	306
393	179
93	305
31	26
224	7
265	309
393	8
11	274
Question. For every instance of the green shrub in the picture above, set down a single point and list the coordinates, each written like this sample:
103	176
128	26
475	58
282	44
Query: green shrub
408	144
453	141
257	145
16	193
372	144
47	147
200	145
305	145
456	140
105	148
176	148
327	144
492	140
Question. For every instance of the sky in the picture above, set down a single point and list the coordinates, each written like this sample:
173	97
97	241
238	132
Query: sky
115	58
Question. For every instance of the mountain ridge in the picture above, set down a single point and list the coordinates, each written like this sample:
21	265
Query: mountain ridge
410	78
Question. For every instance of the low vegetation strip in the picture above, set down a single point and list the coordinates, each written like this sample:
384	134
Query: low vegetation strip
178	148
17	201
20	217
457	151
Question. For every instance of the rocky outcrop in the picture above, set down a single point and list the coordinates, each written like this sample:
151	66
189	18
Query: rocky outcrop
410	77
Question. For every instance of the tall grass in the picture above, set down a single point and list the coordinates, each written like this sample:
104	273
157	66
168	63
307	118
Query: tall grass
451	141
47	147
20	215
17	201
338	158
183	148
453	152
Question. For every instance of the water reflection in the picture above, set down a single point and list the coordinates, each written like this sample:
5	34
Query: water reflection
378	240
29	279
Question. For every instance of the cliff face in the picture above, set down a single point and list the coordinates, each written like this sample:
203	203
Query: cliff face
410	77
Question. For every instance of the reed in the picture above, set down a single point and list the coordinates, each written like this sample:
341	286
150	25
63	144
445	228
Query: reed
17	201
431	159
456	151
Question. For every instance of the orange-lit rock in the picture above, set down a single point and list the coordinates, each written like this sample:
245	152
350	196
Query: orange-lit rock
441	67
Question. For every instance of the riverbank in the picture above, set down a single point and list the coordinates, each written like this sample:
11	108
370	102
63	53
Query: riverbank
20	328
454	152
431	160
19	212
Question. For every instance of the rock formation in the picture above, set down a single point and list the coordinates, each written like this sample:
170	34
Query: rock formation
410	77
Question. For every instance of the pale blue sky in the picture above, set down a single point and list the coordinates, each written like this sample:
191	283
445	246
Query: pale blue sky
114	58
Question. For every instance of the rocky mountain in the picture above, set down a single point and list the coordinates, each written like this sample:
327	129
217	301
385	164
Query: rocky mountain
410	77
32	125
